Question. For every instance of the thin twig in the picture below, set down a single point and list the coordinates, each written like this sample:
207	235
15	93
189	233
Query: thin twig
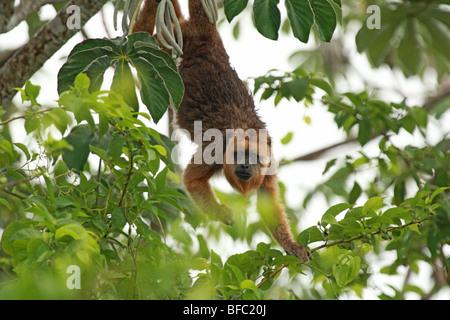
273	274
276	271
373	233
318	153
24	116
130	171
17	182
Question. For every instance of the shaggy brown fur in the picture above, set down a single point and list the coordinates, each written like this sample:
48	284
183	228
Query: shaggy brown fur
216	96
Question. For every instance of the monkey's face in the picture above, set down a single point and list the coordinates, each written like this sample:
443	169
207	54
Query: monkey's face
244	163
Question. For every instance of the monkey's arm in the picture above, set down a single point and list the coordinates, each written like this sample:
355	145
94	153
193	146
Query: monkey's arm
274	216
196	179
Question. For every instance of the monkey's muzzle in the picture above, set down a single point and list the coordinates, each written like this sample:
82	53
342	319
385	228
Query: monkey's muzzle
243	172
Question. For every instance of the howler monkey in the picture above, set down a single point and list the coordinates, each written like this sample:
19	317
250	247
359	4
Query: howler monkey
216	96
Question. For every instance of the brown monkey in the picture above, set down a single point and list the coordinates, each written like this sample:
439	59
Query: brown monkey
216	96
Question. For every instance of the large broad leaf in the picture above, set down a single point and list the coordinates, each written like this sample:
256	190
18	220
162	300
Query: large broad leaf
409	49
153	91
157	72
302	15
440	37
301	18
376	42
161	86
92	57
233	8
324	17
123	83
79	138
267	18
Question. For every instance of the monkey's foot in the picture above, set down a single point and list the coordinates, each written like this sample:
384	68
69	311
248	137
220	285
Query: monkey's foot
225	214
297	250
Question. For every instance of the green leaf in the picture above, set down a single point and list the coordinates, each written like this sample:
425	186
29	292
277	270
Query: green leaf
420	115
160	179
70	232
238	273
79	138
267	18
5	203
301	18
355	193
97	58
123	84
19	231
364	132
138	40
285	259
437	192
348	270
310	235
118	219
161	85
324	17
440	38
377	42
59	118
287	138
263	248
296	88
115	148
24	149
233	8
99	152
373	203
329	216
248	284
93	57
329	165
409	49
31	92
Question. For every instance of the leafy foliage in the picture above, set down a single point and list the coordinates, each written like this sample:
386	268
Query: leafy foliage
94	186
302	15
423	29
161	85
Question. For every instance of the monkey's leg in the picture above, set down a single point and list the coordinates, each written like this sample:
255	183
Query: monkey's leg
274	216
196	179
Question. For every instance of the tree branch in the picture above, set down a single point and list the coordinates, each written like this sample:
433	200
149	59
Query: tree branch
17	182
319	153
30	58
24	9
130	171
276	271
443	94
6	10
372	234
24	116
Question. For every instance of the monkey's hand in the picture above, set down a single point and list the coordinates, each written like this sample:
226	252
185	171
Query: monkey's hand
224	214
297	250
